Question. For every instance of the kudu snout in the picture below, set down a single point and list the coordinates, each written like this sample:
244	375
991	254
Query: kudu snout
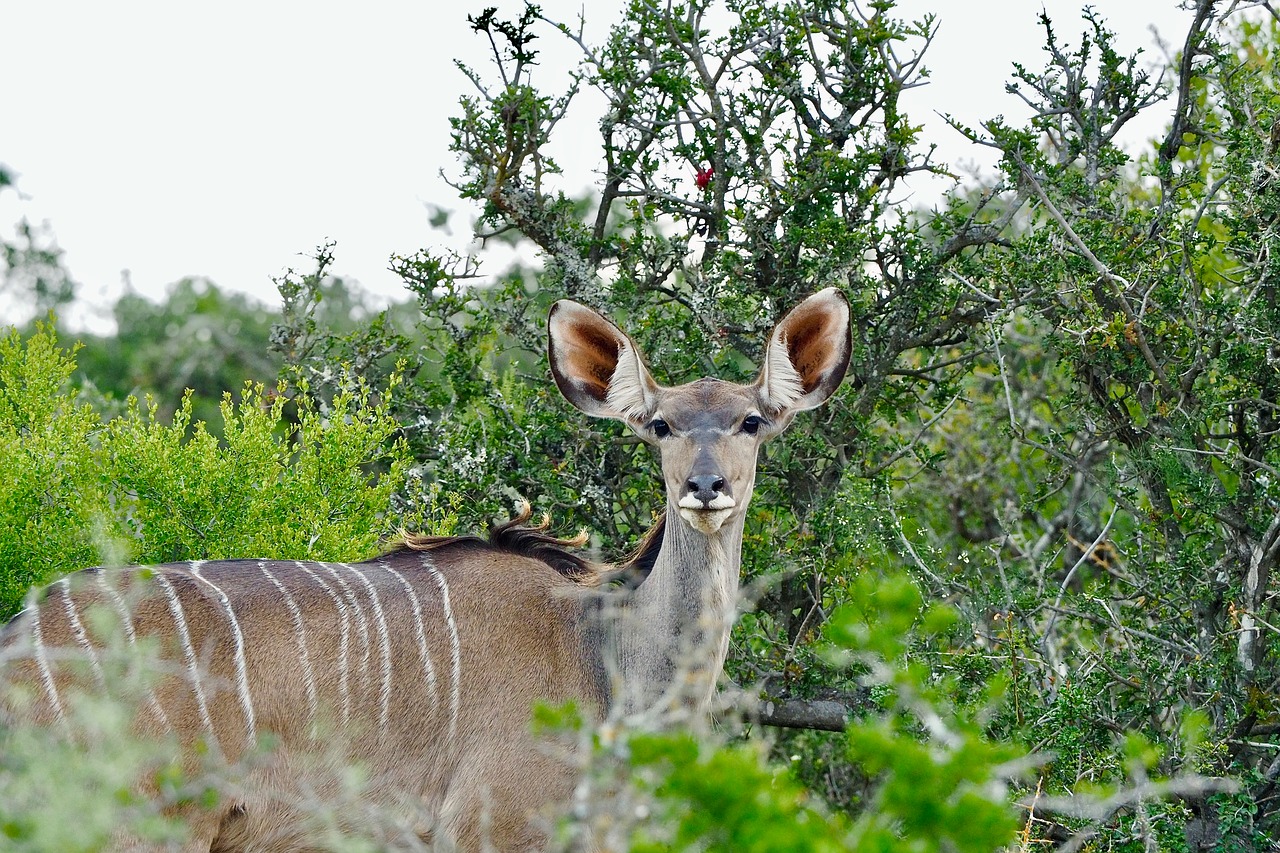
707	501
705	487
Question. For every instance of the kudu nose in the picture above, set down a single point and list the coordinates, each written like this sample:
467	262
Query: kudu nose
705	487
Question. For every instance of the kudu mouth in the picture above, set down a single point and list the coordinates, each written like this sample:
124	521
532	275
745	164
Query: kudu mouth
706	516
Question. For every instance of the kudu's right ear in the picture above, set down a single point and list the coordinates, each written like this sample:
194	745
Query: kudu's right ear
596	366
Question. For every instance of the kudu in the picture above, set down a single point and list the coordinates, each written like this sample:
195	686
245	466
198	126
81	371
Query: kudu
423	665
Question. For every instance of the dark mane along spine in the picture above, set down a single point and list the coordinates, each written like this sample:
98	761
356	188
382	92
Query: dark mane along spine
513	537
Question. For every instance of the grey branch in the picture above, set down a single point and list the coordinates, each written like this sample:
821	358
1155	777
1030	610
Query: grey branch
828	710
826	715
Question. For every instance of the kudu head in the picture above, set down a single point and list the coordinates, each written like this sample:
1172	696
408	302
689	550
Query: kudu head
708	432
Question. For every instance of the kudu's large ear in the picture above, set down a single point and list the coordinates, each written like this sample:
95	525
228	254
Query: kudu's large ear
808	354
596	366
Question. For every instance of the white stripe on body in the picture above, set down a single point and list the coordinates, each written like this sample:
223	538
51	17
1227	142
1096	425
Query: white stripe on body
455	695
46	674
126	619
188	651
384	696
344	634
299	633
362	624
242	674
82	636
419	629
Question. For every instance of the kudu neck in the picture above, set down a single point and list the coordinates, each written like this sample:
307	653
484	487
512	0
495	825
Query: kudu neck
671	633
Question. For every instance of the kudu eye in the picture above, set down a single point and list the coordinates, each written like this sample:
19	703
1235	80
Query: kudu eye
660	428
751	424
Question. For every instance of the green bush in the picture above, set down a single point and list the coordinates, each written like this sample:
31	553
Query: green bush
80	489
936	781
54	496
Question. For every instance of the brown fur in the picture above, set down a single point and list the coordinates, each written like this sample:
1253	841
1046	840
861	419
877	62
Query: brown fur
467	786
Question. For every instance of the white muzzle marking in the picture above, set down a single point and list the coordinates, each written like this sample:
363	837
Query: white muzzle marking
707	517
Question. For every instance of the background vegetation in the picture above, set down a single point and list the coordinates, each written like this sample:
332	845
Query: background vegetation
1060	429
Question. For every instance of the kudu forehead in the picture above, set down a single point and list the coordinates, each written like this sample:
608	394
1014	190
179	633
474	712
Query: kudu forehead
707	404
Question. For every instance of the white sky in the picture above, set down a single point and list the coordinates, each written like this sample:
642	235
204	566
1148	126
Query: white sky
227	140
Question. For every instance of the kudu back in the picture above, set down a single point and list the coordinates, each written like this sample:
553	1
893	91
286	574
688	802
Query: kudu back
422	666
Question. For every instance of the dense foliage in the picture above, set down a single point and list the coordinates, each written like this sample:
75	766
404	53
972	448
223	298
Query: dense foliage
1061	421
82	489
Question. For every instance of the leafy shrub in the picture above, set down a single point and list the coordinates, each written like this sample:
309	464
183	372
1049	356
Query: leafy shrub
80	489
937	781
54	495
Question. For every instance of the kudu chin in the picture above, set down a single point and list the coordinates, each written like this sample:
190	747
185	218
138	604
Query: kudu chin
422	666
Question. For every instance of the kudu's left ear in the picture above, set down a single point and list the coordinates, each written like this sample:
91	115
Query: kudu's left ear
808	354
596	366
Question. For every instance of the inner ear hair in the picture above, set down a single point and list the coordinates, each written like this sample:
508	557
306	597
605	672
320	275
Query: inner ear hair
592	358
595	365
809	340
808	353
